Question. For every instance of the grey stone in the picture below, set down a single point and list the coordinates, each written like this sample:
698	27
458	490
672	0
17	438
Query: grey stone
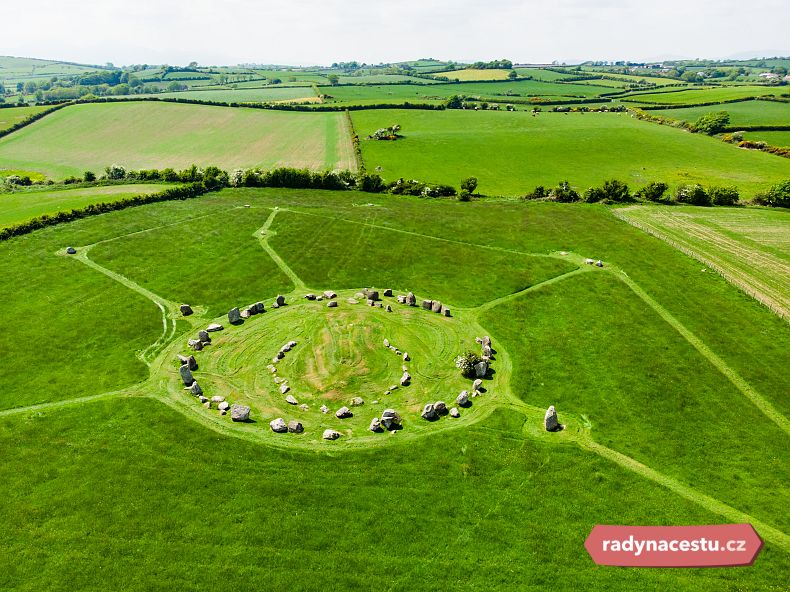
388	292
371	294
481	369
188	360
284	388
401	299
428	412
427	304
259	307
357	402
245	314
186	310
393	387
589	261
462	400
239	412
477	385
446	311
71	250
331	435
405	379
310	296
324	409
486	340
304	407
272	368
186	375
332	304
550	421
279	380
390	419
195	344
406	357
195	389
352	301
295	427
224	406
275	305
291	344
440	407
375	425
291	400
329	294
487	351
234	316
599	263
280	300
202	399
278	425
454	412
214	327
371	302
343	413
436	306
279	355
223	411
207	404
360	296
204	336
389	308
411	299
386	343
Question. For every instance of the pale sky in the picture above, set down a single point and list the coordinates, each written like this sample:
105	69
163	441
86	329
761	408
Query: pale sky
308	32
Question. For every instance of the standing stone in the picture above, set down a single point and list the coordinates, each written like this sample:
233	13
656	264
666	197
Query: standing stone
454	412
388	292
204	336
214	327
343	413
440	407
280	300
207	404
427	304
217	399
295	427
234	316
487	351
436	306
411	299
304	407
278	425
550	421
195	344
331	435
481	369
331	304
371	302
405	379
202	399
195	389
284	388
352	301
477	385
186	375
291	400
186	310
239	412
371	294
428	412
71	250
272	368
401	299
390	419
329	294
487	340
375	425
357	402
259	307
406	357
599	263
188	360
310	296
446	311
224	406
245	314
462	400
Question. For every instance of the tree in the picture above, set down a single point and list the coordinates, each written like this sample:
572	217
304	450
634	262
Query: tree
723	196
333	79
454	102
692	194
563	193
712	123
469	185
653	191
512	75
89	176
778	196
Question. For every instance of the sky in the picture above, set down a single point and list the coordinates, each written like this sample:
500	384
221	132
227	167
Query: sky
318	32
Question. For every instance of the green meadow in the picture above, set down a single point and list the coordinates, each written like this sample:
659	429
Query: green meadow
781	139
12	115
511	153
704	95
745	113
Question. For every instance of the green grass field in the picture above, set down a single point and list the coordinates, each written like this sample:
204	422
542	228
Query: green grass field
13	115
158	135
745	113
661	373
511	153
781	139
26	204
245	95
704	95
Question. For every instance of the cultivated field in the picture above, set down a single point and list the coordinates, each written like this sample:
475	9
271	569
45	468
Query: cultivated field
781	139
749	247
158	135
642	379
13	115
704	95
471	74
26	204
511	153
246	95
744	113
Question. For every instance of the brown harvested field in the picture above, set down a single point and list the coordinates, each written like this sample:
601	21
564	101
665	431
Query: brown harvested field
750	247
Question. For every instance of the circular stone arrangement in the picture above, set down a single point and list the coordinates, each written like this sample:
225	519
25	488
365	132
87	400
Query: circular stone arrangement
361	370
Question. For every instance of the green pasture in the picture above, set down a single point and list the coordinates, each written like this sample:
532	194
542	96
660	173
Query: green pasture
781	139
244	95
707	94
511	153
142	135
745	113
12	115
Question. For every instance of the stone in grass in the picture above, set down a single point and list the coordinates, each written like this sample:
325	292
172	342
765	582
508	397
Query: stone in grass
331	304
224	406
388	292
214	327
427	304
71	250
405	379
599	263
487	351
304	407
324	409
259	307
371	294
279	380
388	308
454	412
486	340
390	419
371	302
188	360
477	385
195	344
360	296
436	306
279	355
352	301
481	369
401	299
393	387
446	311
462	400
428	412
245	314
239	412
406	357
195	389
375	425
310	296
291	400
223	411
329	294
272	368
207	404
440	407
234	315
386	342
284	388
295	427
204	336
550	421
343	413
331	435
280	300
357	402
186	310
186	375
278	425
411	299
202	398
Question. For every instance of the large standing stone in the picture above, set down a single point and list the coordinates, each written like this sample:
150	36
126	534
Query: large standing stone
331	435
599	263
487	340
343	413
550	421
427	304
405	379
331	304
386	342
259	307
239	412
324	409
411	299
390	419
217	399
371	294
245	314
329	294
436	306
487	351
481	369
401	298
462	400
388	292
440	407
428	412
204	336
284	388
234	316
446	311
195	389
280	300
278	425
375	425
295	427
214	327
186	375
188	360
186	310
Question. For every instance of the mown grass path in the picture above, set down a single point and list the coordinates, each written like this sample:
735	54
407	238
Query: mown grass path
577	430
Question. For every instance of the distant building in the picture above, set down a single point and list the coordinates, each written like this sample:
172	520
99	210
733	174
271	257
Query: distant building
768	75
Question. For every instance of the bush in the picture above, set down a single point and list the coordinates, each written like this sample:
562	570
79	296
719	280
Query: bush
653	191
540	192
694	195
613	190
115	172
712	123
469	184
464	195
723	196
563	193
371	183
89	177
466	363
438	191
594	195
778	196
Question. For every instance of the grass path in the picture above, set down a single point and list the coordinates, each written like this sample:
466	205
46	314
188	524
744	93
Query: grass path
576	432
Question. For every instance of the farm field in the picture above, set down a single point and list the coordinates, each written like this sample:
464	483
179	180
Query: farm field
471	74
704	95
141	135
511	153
12	115
26	204
245	95
745	113
642	379
749	247
781	139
